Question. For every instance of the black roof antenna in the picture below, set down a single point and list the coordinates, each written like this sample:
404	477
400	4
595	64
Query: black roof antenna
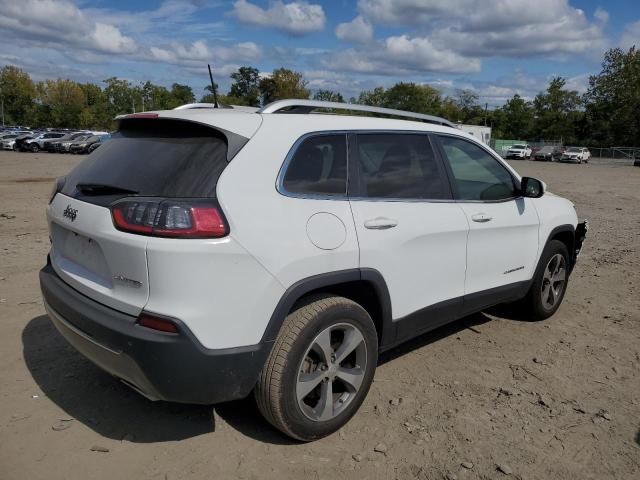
213	88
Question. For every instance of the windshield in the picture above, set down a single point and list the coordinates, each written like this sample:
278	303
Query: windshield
519	147
574	149
546	149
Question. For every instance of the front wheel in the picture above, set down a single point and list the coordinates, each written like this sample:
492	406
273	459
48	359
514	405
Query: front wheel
34	147
549	284
320	369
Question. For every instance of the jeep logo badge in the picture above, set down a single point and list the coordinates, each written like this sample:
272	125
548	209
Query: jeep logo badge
70	213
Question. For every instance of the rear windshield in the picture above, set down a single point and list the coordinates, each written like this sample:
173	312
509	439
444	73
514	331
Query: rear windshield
154	157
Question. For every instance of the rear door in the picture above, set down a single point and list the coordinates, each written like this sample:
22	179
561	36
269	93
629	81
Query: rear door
145	158
503	236
409	228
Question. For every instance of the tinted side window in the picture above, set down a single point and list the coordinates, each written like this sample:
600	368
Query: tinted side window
318	166
400	166
477	175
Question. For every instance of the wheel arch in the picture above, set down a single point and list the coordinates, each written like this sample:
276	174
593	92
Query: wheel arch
362	285
565	234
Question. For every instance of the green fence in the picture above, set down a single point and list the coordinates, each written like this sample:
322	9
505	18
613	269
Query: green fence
501	146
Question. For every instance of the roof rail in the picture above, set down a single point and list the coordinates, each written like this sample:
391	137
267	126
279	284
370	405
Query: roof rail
196	106
308	106
190	106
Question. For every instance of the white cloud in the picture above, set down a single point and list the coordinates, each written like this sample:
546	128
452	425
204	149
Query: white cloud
631	35
495	27
400	54
294	18
199	52
59	23
601	16
358	30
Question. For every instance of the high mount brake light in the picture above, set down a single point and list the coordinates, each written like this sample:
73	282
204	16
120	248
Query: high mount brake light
141	115
170	218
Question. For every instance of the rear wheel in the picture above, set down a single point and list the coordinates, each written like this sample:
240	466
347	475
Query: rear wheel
320	368
549	284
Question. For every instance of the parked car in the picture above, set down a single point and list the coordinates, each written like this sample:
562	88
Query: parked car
20	139
520	151
576	155
548	153
7	141
84	145
167	265
37	143
59	144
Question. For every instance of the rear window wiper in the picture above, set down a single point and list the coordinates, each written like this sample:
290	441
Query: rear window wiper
102	189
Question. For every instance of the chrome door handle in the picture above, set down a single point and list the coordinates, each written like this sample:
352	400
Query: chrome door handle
481	217
380	223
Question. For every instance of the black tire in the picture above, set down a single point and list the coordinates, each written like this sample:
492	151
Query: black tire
34	147
533	305
276	391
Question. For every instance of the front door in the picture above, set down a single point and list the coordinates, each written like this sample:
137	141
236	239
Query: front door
409	228
503	236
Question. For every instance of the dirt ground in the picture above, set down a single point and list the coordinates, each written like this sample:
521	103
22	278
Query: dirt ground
486	397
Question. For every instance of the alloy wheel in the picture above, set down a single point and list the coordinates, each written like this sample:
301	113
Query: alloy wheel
554	281
331	372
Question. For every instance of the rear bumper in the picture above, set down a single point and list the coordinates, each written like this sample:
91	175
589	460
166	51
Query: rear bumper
160	366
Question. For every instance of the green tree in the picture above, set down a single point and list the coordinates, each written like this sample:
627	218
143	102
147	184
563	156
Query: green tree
180	95
450	110
413	98
556	112
65	100
18	93
516	118
246	86
613	100
118	96
283	83
328	96
375	98
470	110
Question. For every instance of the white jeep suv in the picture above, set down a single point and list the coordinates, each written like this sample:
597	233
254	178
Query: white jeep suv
206	253
519	151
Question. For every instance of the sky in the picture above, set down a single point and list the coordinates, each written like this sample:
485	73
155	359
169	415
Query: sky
495	47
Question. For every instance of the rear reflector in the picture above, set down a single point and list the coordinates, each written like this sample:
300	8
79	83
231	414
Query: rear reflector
170	218
155	323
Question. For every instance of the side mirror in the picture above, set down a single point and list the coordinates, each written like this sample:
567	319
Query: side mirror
531	187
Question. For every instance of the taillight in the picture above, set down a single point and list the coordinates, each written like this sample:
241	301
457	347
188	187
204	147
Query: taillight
170	218
157	323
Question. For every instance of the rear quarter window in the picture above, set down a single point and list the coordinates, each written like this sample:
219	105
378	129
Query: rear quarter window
318	167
